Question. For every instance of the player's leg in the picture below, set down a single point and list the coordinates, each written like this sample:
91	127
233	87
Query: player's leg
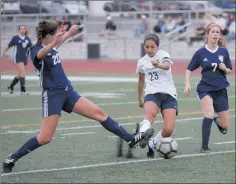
14	81
51	109
21	69
206	102
169	112
221	106
88	109
151	109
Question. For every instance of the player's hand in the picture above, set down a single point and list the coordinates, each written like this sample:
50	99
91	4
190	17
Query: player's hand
140	103
155	63
187	89
222	66
73	30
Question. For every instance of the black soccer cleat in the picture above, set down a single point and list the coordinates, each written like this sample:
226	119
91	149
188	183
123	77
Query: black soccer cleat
8	164
10	89
138	137
23	91
205	149
143	142
150	153
222	130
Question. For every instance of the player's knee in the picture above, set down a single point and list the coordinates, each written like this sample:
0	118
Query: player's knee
209	114
100	114
44	139
150	117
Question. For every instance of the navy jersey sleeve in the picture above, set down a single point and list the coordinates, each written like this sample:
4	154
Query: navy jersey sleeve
12	42
195	62
33	54
228	62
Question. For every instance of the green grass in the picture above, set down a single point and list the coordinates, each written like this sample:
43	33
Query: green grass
99	147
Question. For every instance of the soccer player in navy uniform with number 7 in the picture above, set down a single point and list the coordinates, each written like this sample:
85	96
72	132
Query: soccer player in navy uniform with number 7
21	43
216	64
58	94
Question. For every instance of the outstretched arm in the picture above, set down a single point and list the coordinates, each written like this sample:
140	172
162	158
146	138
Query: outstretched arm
140	88
72	31
4	52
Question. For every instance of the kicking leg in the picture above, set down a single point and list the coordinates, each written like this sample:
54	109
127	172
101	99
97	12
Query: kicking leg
47	130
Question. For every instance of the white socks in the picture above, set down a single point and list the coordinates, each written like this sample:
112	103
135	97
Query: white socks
144	125
155	141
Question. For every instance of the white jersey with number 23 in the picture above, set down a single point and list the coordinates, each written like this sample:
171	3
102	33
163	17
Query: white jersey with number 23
157	80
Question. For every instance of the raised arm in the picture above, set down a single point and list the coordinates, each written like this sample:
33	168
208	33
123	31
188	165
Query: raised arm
140	89
72	31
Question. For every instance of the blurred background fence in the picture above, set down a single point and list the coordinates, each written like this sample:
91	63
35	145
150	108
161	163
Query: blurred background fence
114	30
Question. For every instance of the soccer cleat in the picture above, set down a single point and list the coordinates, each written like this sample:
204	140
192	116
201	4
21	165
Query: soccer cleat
205	149
143	136
8	164
222	130
23	91
143	142
150	153
10	89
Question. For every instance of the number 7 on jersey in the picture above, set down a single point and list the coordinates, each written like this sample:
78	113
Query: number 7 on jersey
214	65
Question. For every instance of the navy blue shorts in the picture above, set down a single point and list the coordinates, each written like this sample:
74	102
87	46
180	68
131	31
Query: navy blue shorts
163	101
53	101
24	62
219	97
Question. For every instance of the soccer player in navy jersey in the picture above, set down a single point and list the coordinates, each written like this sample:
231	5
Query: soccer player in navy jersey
21	43
58	94
216	64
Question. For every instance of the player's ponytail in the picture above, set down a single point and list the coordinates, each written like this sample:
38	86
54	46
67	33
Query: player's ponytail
221	42
44	28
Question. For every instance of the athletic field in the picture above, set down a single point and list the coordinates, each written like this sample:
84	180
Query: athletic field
82	151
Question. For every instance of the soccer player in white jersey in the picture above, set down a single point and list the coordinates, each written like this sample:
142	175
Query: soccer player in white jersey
154	70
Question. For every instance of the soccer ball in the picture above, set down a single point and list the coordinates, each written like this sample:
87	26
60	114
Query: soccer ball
167	148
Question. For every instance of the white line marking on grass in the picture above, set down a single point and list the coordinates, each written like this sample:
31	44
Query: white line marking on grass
99	126
228	142
182	138
176	139
79	133
184	120
101	104
114	163
19	132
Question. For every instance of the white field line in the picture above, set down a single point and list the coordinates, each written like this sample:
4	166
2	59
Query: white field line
176	139
101	104
184	120
228	142
113	163
79	133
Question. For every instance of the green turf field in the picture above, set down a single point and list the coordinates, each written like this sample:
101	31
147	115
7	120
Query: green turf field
82	151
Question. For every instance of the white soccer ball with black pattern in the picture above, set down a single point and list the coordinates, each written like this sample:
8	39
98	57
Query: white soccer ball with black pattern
168	148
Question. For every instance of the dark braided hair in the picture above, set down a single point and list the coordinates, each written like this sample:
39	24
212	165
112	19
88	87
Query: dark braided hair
44	28
152	37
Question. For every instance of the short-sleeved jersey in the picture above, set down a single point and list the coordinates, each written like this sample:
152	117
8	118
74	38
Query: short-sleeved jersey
21	46
52	75
213	78
157	80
